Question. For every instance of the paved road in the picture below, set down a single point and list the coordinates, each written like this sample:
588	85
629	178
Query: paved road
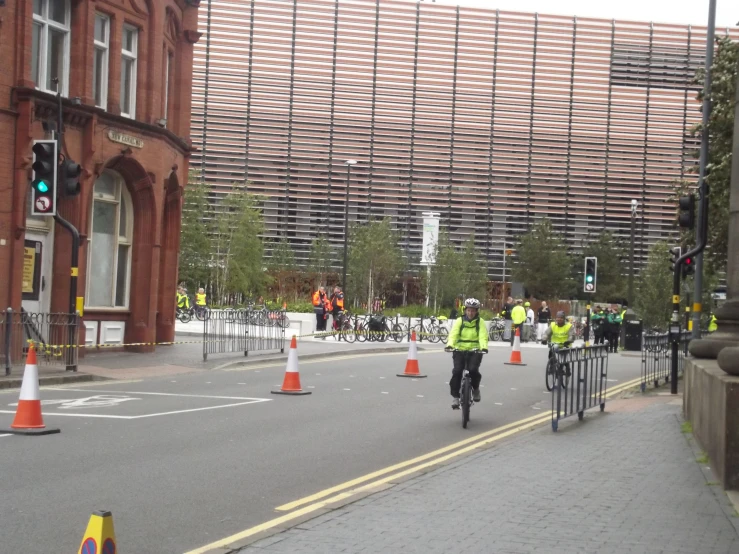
185	461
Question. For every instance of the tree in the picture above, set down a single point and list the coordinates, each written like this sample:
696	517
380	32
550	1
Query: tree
543	264
611	284
653	301
195	247
283	256
445	276
321	258
374	259
473	274
721	129
238	250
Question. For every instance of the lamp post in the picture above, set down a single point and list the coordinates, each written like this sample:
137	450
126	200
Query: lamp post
634	205
349	164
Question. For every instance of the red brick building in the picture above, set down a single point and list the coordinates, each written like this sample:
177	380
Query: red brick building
125	72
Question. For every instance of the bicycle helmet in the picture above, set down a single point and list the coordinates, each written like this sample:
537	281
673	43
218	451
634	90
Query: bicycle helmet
527	305
560	314
472	303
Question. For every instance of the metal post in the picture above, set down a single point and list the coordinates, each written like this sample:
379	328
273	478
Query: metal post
346	228
72	281
586	332
8	335
632	254
702	219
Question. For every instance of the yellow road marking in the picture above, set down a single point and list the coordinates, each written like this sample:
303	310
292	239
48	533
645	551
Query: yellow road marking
401	465
532	421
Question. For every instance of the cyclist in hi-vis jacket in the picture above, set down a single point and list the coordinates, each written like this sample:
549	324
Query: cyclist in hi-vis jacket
469	334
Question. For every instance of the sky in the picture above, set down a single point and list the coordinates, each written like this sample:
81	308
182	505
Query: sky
693	12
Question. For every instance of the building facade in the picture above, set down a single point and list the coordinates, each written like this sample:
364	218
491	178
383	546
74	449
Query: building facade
492	119
124	70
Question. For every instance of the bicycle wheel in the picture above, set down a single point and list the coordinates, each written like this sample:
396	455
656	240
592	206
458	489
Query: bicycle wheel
551	374
443	334
184	317
465	399
361	332
201	314
347	331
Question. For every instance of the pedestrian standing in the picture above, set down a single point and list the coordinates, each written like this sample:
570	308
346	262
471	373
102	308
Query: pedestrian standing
614	329
506	313
544	316
529	325
518	317
320	303
598	321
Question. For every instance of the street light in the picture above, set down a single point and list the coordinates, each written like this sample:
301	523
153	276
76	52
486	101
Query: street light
349	164
634	205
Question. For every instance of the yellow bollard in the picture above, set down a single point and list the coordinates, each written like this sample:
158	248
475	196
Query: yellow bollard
100	535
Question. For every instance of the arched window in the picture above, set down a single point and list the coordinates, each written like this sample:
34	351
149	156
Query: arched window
109	243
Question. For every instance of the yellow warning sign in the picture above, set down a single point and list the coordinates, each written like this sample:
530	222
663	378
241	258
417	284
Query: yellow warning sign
675	298
697	307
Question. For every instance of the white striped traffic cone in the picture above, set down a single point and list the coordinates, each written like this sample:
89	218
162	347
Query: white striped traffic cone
291	383
411	365
28	418
516	352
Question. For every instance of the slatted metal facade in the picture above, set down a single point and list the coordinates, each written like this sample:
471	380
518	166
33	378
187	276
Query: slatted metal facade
492	119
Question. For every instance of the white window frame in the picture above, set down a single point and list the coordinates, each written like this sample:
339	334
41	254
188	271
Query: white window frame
121	196
167	64
133	56
46	23
103	47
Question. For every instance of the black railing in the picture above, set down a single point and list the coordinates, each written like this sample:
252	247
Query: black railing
582	382
656	357
244	330
55	337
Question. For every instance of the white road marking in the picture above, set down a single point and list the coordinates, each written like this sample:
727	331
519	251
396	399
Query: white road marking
310	386
317	373
419	396
381	377
97	401
347	389
498	403
241	383
172	394
173	381
207	382
536	408
384	392
8	435
513	388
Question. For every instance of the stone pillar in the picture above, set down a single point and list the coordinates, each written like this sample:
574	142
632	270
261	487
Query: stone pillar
724	343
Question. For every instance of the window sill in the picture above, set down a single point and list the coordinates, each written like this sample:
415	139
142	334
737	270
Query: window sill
118	310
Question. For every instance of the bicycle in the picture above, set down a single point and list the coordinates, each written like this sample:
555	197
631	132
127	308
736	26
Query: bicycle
343	327
555	369
465	388
497	327
184	314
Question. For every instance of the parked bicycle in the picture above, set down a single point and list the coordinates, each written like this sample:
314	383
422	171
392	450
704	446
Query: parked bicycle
497	327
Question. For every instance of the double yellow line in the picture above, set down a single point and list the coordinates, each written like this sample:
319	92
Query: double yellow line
373	481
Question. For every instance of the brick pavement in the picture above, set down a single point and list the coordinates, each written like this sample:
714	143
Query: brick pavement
624	482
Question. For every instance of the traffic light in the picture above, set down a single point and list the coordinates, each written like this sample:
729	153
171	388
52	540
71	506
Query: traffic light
591	274
675	254
688	267
43	186
69	177
686	219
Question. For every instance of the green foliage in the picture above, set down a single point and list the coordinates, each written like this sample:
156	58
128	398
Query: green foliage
687	427
237	249
543	264
611	283
282	255
194	260
375	259
322	258
721	128
653	302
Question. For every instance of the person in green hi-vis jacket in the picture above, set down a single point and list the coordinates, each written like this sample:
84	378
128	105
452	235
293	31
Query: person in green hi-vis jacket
614	328
598	320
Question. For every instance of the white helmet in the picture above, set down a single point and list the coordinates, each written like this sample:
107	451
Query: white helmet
472	303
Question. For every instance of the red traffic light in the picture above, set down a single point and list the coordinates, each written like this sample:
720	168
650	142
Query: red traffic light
688	261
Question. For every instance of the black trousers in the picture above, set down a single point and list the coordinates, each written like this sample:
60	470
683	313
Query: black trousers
599	336
321	321
470	360
513	332
613	337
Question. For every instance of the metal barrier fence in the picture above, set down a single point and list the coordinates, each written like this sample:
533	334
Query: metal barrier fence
582	382
54	335
245	330
656	358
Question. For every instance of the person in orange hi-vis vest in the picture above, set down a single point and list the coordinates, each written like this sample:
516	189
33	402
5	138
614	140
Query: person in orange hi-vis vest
321	307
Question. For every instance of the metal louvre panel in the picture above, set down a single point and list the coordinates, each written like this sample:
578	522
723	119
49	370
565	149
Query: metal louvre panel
493	119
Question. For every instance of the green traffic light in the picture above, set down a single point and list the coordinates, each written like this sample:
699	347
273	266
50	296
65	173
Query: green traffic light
589	278
41	186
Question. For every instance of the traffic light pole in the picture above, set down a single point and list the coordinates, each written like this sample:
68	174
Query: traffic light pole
703	186
74	271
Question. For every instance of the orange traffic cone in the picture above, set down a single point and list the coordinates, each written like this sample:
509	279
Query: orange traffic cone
516	352
411	365
28	419
291	383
